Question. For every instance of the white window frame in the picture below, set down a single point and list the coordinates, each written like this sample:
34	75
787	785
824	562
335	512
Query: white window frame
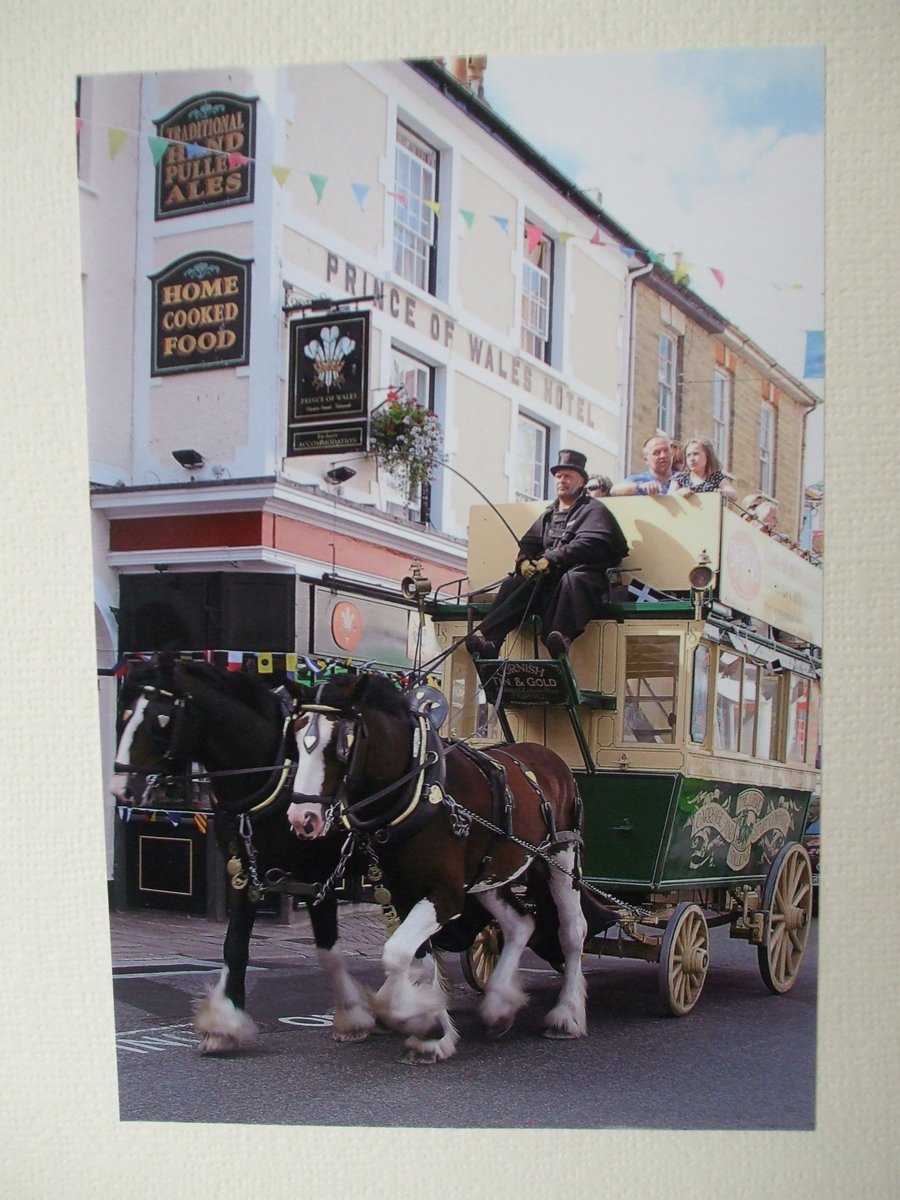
537	297
767	418
722	415
415	223
532	458
666	395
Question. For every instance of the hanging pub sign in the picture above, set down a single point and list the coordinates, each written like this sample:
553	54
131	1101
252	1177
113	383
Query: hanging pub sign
201	314
328	384
210	156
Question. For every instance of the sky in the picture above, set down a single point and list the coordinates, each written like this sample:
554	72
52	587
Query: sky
716	154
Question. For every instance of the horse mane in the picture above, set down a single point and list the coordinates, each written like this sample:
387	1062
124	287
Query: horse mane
246	689
382	693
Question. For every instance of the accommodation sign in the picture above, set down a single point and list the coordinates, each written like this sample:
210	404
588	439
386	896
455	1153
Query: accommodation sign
327	384
210	157
201	314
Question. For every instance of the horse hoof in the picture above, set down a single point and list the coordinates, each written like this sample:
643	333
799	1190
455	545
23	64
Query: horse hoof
498	1030
217	1043
353	1035
416	1058
561	1034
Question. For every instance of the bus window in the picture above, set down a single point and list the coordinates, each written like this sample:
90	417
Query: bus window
700	694
728	701
748	707
813	730
651	685
798	719
767	718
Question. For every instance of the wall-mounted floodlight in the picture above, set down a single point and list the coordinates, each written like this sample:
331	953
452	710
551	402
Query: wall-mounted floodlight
189	459
339	474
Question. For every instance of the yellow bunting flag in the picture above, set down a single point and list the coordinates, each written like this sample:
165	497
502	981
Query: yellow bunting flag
682	271
290	663
434	206
281	174
117	138
565	237
264	663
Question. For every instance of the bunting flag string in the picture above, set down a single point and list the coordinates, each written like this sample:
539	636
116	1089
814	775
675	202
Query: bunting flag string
117	137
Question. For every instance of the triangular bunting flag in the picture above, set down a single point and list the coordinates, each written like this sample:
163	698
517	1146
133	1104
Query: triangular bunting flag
595	240
434	206
116	138
192	150
533	235
237	160
718	276
157	148
628	251
318	182
281	174
503	222
360	191
399	197
682	271
565	237
79	124
468	216
658	259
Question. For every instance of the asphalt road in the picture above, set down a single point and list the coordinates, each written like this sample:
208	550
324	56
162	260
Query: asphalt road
743	1059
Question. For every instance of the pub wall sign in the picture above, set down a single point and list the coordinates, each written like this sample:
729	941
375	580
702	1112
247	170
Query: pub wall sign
328	384
210	159
201	314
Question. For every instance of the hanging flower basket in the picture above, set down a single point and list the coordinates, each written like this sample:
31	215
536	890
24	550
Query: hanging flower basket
407	440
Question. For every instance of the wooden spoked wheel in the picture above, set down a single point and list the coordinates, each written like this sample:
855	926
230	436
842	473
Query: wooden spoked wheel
479	961
788	898
684	959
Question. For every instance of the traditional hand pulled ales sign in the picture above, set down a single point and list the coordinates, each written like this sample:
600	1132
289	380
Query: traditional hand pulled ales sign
328	382
210	159
201	314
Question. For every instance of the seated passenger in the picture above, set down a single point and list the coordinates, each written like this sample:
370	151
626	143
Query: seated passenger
760	508
656	479
703	471
560	571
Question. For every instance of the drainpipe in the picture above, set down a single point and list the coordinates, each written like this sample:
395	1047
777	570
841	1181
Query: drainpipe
628	353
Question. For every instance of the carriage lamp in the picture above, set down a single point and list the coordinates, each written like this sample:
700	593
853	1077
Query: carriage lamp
191	460
701	575
700	579
416	585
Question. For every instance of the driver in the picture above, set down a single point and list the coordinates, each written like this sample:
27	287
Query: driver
560	570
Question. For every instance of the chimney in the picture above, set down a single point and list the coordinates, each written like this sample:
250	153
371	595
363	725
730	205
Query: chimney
470	72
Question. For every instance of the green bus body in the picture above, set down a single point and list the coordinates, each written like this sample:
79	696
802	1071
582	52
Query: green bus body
661	831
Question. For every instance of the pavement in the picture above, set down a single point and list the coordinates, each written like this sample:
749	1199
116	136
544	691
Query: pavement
149	936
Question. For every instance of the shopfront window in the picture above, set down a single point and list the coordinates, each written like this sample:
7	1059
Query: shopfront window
651	688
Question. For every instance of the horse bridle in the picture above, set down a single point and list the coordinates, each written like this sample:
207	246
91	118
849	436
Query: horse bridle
172	718
427	769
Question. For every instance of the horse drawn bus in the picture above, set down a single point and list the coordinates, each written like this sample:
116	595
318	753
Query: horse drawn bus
689	714
663	764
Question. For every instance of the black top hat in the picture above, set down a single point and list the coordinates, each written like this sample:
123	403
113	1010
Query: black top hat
571	460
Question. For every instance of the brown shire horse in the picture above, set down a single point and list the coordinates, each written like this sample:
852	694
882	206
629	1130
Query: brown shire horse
175	714
447	827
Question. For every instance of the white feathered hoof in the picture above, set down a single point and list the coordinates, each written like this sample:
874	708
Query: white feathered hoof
223	1028
352	1023
562	1025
